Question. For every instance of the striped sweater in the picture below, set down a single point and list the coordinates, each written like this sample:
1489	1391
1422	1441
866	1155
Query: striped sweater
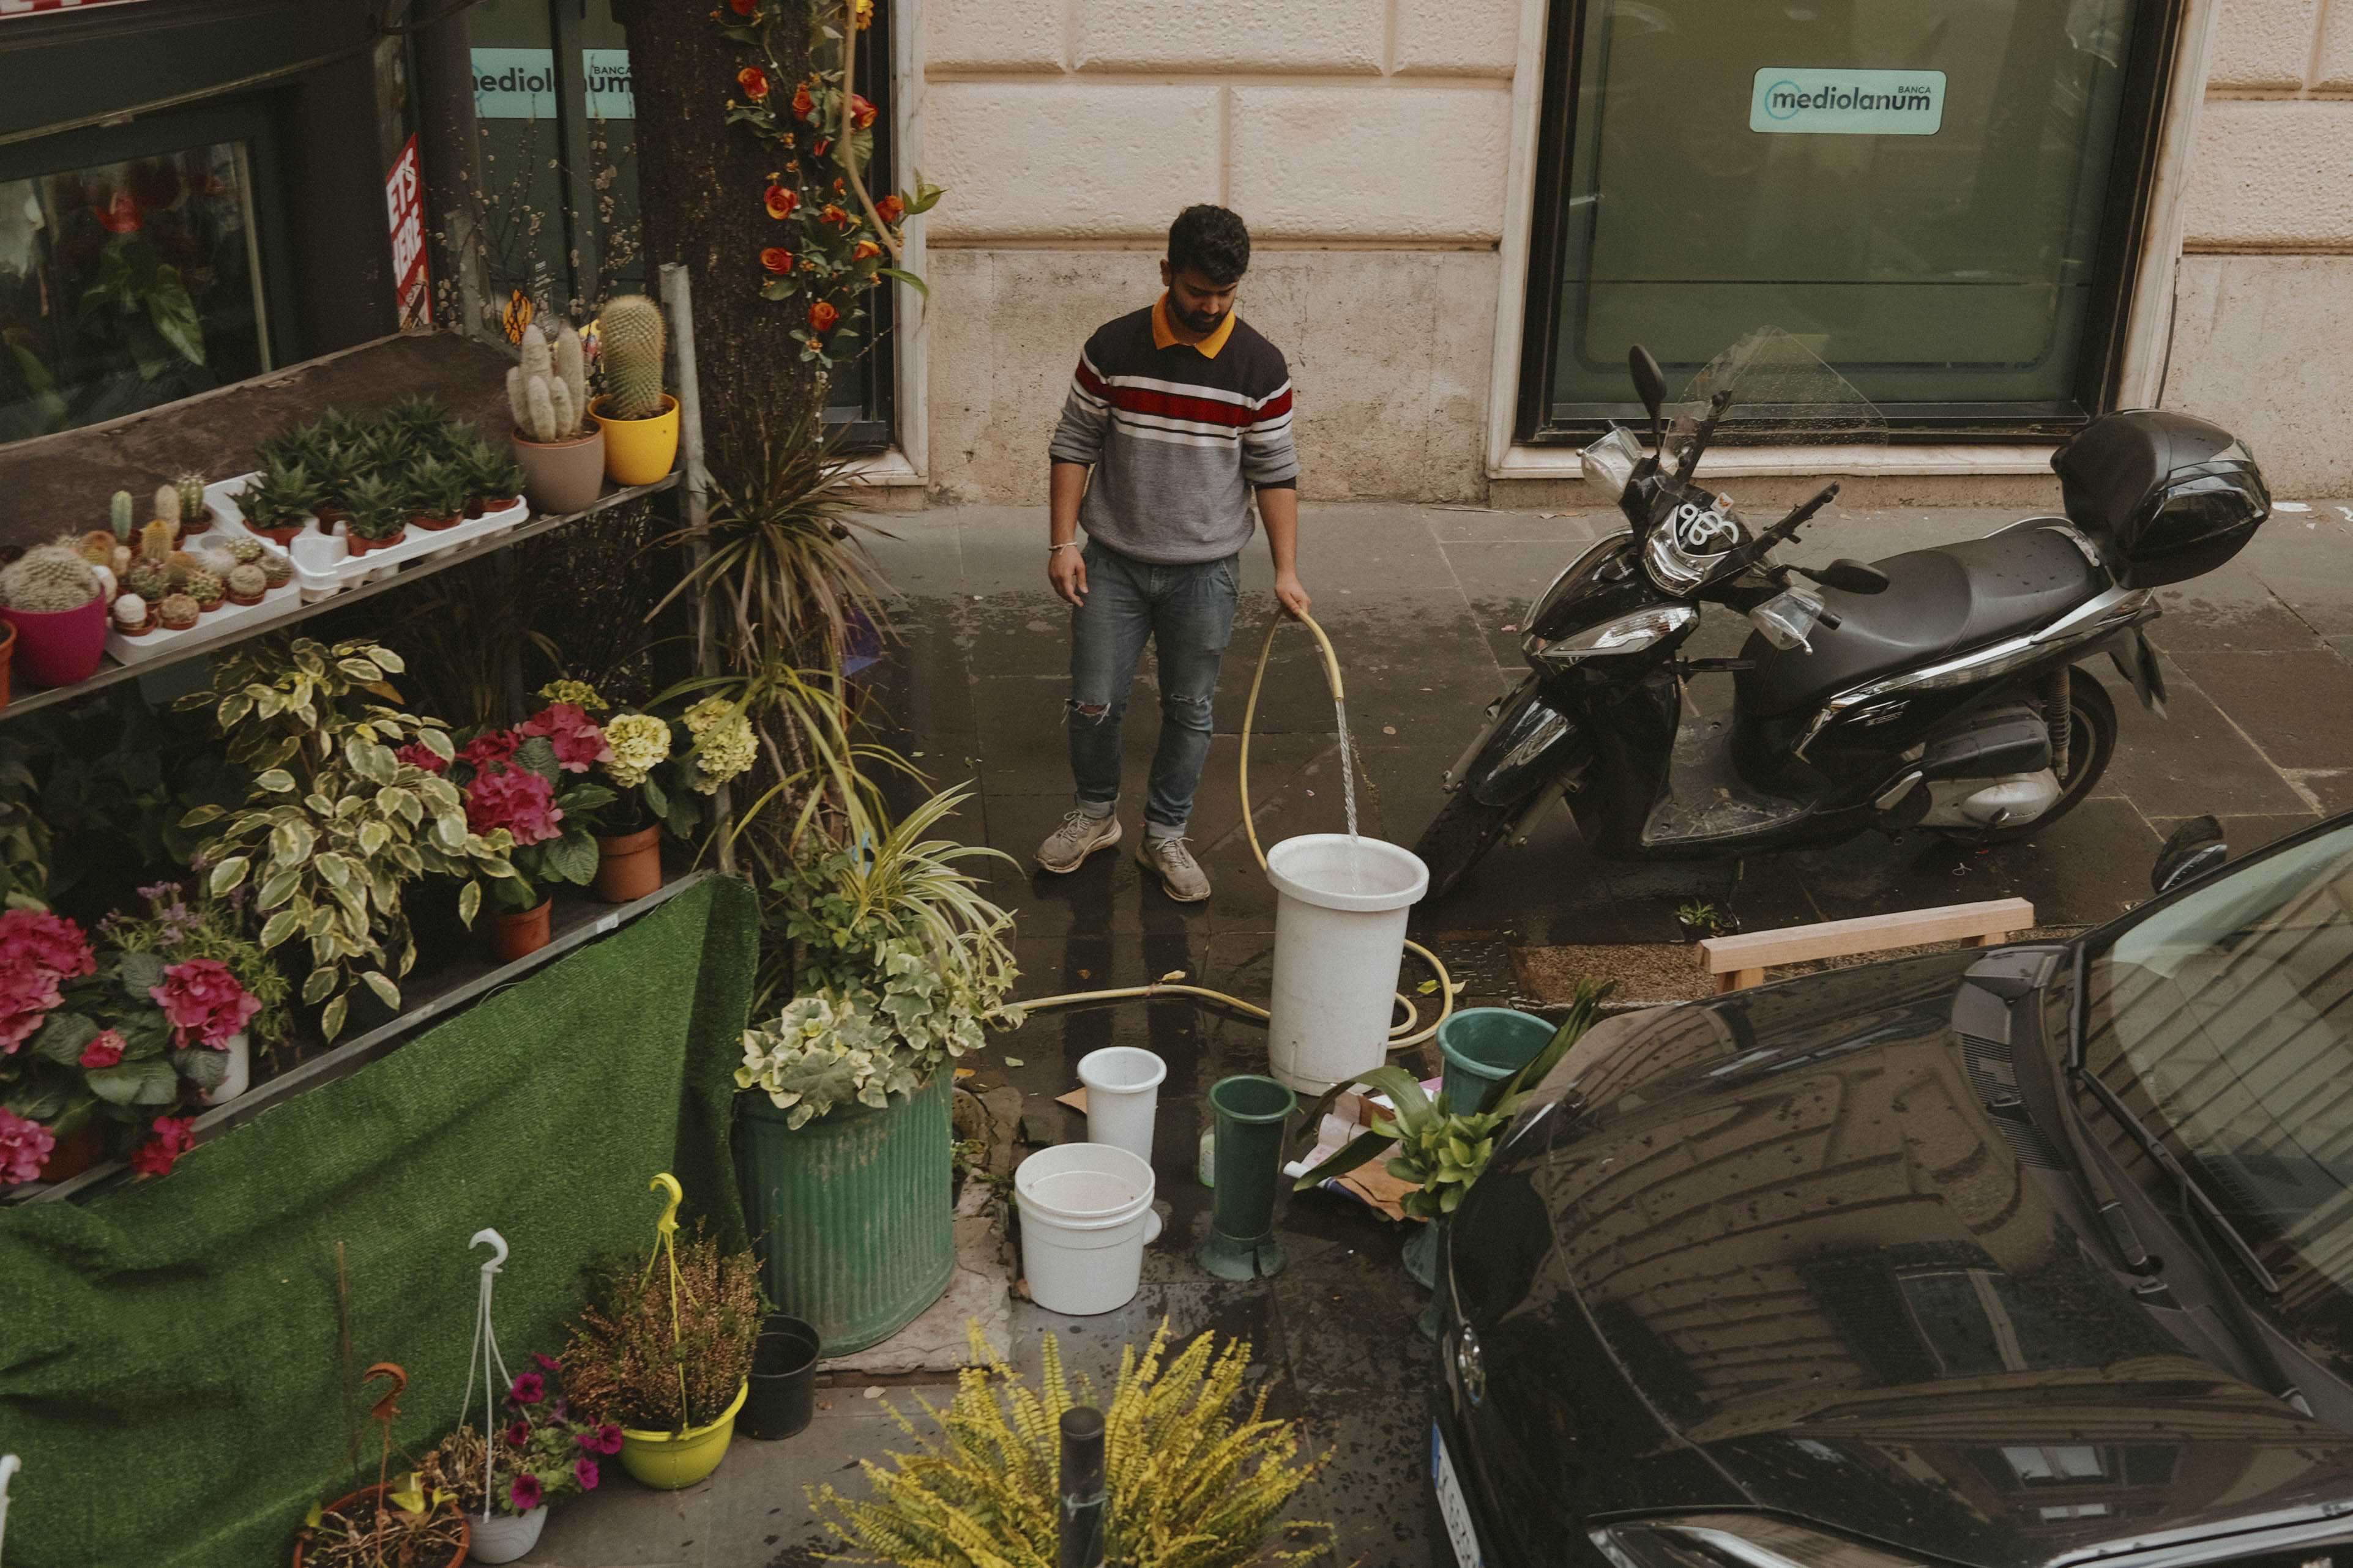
1177	435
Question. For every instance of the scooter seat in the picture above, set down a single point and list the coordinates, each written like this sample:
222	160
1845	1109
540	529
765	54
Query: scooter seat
1949	600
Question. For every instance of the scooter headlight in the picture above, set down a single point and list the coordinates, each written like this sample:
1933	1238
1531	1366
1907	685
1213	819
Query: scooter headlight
1627	633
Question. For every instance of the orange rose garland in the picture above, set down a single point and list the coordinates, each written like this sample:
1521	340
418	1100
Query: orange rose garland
862	113
777	259
889	208
802	101
822	316
754	81
782	200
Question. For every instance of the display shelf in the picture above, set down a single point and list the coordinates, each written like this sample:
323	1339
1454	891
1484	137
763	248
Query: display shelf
576	922
203	640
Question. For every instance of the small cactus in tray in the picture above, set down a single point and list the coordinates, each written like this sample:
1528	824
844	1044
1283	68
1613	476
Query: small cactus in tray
119	515
49	578
245	584
156	541
178	611
150	579
246	548
275	569
97	547
194	516
205	586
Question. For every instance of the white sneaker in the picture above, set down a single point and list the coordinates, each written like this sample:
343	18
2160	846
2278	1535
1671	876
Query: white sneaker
1171	860
1078	836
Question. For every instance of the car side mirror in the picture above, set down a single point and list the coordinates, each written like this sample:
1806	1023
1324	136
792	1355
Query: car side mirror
2195	848
1649	381
1851	577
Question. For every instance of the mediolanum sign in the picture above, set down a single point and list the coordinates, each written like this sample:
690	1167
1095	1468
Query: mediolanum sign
1826	102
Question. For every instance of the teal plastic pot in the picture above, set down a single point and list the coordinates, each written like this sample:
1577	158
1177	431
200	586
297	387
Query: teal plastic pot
1484	1046
1251	1113
852	1214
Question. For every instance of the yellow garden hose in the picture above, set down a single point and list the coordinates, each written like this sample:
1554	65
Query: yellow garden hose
1404	1034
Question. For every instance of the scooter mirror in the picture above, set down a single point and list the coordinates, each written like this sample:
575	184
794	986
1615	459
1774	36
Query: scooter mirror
1649	381
1849	576
2195	848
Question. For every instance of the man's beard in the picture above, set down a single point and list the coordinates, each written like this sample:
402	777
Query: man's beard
1195	322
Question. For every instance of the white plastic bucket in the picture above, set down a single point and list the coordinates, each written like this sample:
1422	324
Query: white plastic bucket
1123	1099
1339	939
1083	1210
504	1537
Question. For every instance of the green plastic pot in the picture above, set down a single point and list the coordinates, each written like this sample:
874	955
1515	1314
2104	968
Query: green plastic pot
1484	1046
1251	1114
852	1214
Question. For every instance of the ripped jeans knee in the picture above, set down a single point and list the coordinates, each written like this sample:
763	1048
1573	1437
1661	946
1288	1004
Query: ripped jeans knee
1094	712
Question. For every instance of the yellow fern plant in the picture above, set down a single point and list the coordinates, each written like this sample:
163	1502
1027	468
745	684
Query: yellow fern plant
1193	1484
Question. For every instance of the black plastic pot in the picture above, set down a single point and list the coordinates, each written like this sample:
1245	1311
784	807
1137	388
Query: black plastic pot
784	1379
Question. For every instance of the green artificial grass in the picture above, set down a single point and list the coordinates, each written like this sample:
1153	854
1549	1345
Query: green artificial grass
170	1368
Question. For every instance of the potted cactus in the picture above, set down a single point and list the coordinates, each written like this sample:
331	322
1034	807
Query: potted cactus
377	514
194	516
437	494
562	455
639	419
53	600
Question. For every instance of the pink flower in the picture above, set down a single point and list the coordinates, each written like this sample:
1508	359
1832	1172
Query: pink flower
524	1493
584	1472
529	1389
23	1148
27	992
104	1051
606	1439
515	799
422	756
492	746
203	1002
173	1135
547	1363
53	941
577	741
517	1432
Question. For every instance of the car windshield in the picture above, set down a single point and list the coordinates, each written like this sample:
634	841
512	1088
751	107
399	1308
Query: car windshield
2224	1021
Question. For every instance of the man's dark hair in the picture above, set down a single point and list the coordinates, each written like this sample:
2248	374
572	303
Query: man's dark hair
1211	241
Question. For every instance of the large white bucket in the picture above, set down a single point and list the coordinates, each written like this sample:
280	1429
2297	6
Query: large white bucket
1083	1210
1339	941
1123	1099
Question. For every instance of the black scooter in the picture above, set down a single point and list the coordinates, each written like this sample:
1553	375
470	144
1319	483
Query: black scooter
1933	690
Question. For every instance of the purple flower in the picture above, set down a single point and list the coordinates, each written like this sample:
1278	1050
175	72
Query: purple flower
606	1439
518	1433
584	1472
524	1495
547	1363
529	1389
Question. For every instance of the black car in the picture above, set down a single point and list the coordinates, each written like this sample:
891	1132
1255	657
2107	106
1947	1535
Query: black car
2025	1258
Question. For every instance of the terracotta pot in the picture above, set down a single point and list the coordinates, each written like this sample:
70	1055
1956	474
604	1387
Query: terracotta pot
281	537
629	865
515	936
57	648
200	523
473	508
329	516
563	477
7	656
639	451
435	524
75	1152
359	546
465	1529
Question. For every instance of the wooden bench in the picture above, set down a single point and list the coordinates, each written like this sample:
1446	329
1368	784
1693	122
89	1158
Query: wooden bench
1740	961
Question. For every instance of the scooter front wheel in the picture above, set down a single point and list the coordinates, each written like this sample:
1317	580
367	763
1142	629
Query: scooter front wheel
2091	745
1459	838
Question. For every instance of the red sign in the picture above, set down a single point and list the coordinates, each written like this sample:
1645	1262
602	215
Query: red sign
45	7
403	210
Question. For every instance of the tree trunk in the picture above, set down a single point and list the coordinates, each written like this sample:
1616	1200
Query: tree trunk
700	184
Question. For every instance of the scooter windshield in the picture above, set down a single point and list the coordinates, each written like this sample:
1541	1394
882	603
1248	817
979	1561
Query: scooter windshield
1782	395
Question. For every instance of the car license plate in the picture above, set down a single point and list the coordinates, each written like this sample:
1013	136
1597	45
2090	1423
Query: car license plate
1451	1506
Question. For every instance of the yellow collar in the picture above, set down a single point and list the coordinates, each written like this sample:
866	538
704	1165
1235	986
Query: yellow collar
1165	336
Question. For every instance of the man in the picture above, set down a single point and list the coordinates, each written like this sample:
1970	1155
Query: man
1178	414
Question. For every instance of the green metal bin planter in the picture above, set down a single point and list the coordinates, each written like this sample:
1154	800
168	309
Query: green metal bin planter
852	1214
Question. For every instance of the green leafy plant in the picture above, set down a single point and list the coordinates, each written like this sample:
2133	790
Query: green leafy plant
377	510
1440	1149
23	834
515	780
436	489
1196	1478
1699	916
182	922
338	824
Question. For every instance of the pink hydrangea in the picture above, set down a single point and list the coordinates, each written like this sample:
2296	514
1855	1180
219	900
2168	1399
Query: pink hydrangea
53	941
23	1148
422	756
174	1136
577	741
492	746
27	992
104	1051
203	1002
515	799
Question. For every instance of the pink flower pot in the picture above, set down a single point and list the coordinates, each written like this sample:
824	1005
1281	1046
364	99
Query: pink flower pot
58	647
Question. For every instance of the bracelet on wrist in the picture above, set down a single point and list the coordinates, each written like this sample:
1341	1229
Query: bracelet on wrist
1062	544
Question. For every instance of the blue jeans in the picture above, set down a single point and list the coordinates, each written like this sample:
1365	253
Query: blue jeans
1188	613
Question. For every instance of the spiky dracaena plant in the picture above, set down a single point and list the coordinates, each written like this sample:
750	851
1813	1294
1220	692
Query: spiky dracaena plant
337	825
1195	1481
630	335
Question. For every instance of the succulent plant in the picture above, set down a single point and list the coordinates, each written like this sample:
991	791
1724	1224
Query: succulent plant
191	486
377	509
300	445
435	488
421	415
130	611
48	577
340	465
205	586
630	335
275	569
120	520
97	547
155	541
343	428
492	475
167	505
179	611
247	583
245	548
180	563
548	392
148	579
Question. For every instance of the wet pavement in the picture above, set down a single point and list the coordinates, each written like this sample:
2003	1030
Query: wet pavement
1423	604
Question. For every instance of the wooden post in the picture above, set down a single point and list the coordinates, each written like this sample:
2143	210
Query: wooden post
694	506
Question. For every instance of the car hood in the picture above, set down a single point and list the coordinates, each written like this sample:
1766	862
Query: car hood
1774	1252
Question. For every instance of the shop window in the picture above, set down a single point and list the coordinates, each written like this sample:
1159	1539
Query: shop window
1941	197
557	120
131	269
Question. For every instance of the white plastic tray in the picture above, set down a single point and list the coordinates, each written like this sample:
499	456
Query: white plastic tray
160	641
220	499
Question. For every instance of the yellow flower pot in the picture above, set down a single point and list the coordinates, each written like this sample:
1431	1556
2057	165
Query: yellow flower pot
639	451
668	1461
